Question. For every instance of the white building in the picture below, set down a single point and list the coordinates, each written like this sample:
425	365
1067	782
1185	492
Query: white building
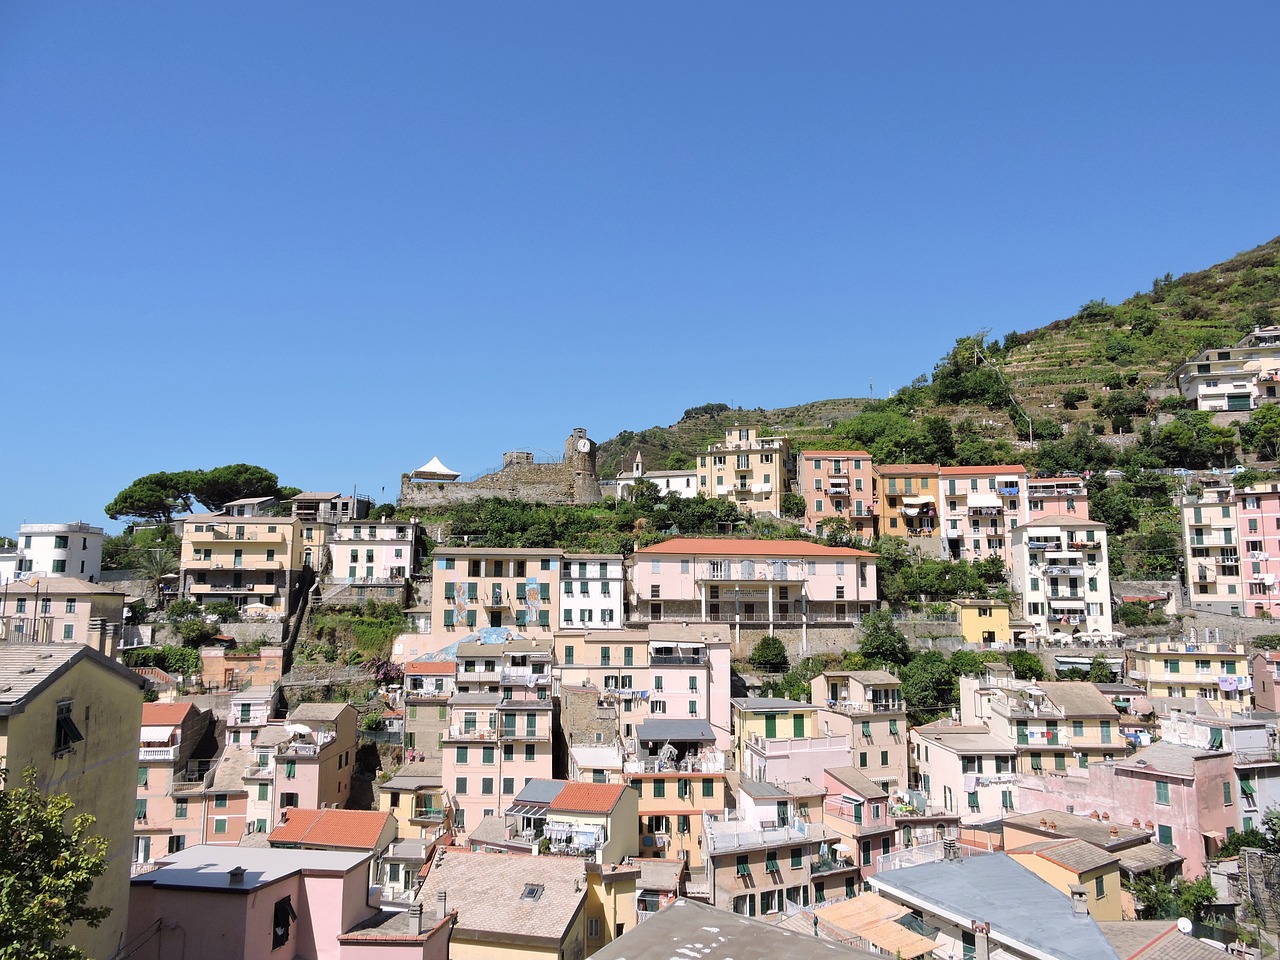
592	591
1060	569
54	550
683	483
1234	378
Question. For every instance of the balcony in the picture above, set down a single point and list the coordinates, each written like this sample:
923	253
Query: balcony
158	754
1057	570
260	589
475	733
686	660
215	533
254	718
254	772
856	816
785	748
867	706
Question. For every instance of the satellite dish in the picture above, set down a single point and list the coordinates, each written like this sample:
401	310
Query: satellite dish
1184	925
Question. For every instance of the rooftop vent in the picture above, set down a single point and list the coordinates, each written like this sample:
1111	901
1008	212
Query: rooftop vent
236	876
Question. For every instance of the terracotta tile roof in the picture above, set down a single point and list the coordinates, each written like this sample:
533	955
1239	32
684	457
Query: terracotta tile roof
155	675
588	797
446	667
347	829
982	471
165	714
915	469
750	548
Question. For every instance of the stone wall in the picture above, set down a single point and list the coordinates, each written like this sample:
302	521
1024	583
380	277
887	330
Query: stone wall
517	480
269	632
584	721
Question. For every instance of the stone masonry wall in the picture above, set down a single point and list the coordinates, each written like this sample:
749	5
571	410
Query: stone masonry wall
543	482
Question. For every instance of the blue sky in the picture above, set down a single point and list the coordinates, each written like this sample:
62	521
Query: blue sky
338	239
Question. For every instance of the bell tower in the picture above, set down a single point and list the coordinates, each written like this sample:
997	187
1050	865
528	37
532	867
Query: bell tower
580	457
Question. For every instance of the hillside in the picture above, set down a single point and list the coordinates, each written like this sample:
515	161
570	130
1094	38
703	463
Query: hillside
1102	352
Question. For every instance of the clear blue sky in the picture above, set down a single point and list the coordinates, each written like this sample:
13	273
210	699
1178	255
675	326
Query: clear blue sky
338	239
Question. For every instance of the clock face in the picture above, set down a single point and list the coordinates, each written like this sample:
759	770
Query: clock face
584	445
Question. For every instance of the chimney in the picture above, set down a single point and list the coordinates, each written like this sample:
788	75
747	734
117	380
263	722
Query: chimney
236	876
442	904
950	849
1115	831
1079	900
415	918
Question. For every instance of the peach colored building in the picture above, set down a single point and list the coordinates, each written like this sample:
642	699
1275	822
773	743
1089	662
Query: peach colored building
746	468
761	583
980	508
837	485
476	587
492	748
226	668
1258	524
1212	544
907	501
58	609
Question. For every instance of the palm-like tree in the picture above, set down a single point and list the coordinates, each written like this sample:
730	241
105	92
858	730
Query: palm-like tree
154	566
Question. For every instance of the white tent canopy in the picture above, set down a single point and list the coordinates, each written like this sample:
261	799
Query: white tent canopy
435	470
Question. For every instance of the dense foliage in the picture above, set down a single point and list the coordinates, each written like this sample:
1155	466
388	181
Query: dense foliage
157	497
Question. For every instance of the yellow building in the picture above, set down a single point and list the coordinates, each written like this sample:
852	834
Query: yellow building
74	715
769	718
906	500
257	563
1216	672
983	623
477	587
1065	864
746	468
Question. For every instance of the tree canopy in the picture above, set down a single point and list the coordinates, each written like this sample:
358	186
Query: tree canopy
46	872
157	497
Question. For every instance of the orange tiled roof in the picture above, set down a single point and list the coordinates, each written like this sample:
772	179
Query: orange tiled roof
156	674
930	469
587	797
165	714
974	471
751	548
347	829
448	667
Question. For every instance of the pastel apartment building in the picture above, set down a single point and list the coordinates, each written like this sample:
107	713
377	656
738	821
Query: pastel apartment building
593	592
255	562
964	770
1214	672
53	550
1251	744
480	587
986	623
370	559
837	485
1061	571
312	768
1258	533
866	707
758	720
1057	728
1057	496
1186	795
428	685
493	747
43	609
598	822
1264	668
1234	378
74	715
748	469
760	583
907	495
1212	545
980	508
329	508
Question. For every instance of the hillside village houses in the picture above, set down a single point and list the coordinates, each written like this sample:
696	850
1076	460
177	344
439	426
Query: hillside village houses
572	755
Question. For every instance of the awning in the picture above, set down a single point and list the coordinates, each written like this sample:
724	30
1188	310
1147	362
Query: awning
155	734
1246	787
922	499
526	810
985	499
1066	603
435	470
1214	835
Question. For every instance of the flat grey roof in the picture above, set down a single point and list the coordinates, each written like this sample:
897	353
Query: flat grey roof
769	703
687	928
994	888
540	791
678	730
208	867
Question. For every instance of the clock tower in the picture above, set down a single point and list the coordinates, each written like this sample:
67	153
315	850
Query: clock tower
580	457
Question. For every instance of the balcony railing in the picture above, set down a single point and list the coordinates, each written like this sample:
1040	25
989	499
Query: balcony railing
152	754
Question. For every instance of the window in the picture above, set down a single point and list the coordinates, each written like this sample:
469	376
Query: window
530	751
593	928
1226	793
220	825
220	801
140	809
659	789
1099	888
180	809
708	788
1164	835
460	786
288	799
284	917
66	733
68	631
1162	791
264	790
460	754
797	860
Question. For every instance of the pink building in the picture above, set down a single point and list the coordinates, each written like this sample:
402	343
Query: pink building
979	509
312	768
255	903
1185	794
837	485
494	745
762	583
1258	526
1054	496
1265	667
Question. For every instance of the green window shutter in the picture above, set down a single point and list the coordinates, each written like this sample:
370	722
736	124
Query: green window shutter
544	591
473	590
1227	799
142	776
708	788
449	589
1164	835
544	618
893	727
471	618
1162	791
770	726
448	618
797	725
522	617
